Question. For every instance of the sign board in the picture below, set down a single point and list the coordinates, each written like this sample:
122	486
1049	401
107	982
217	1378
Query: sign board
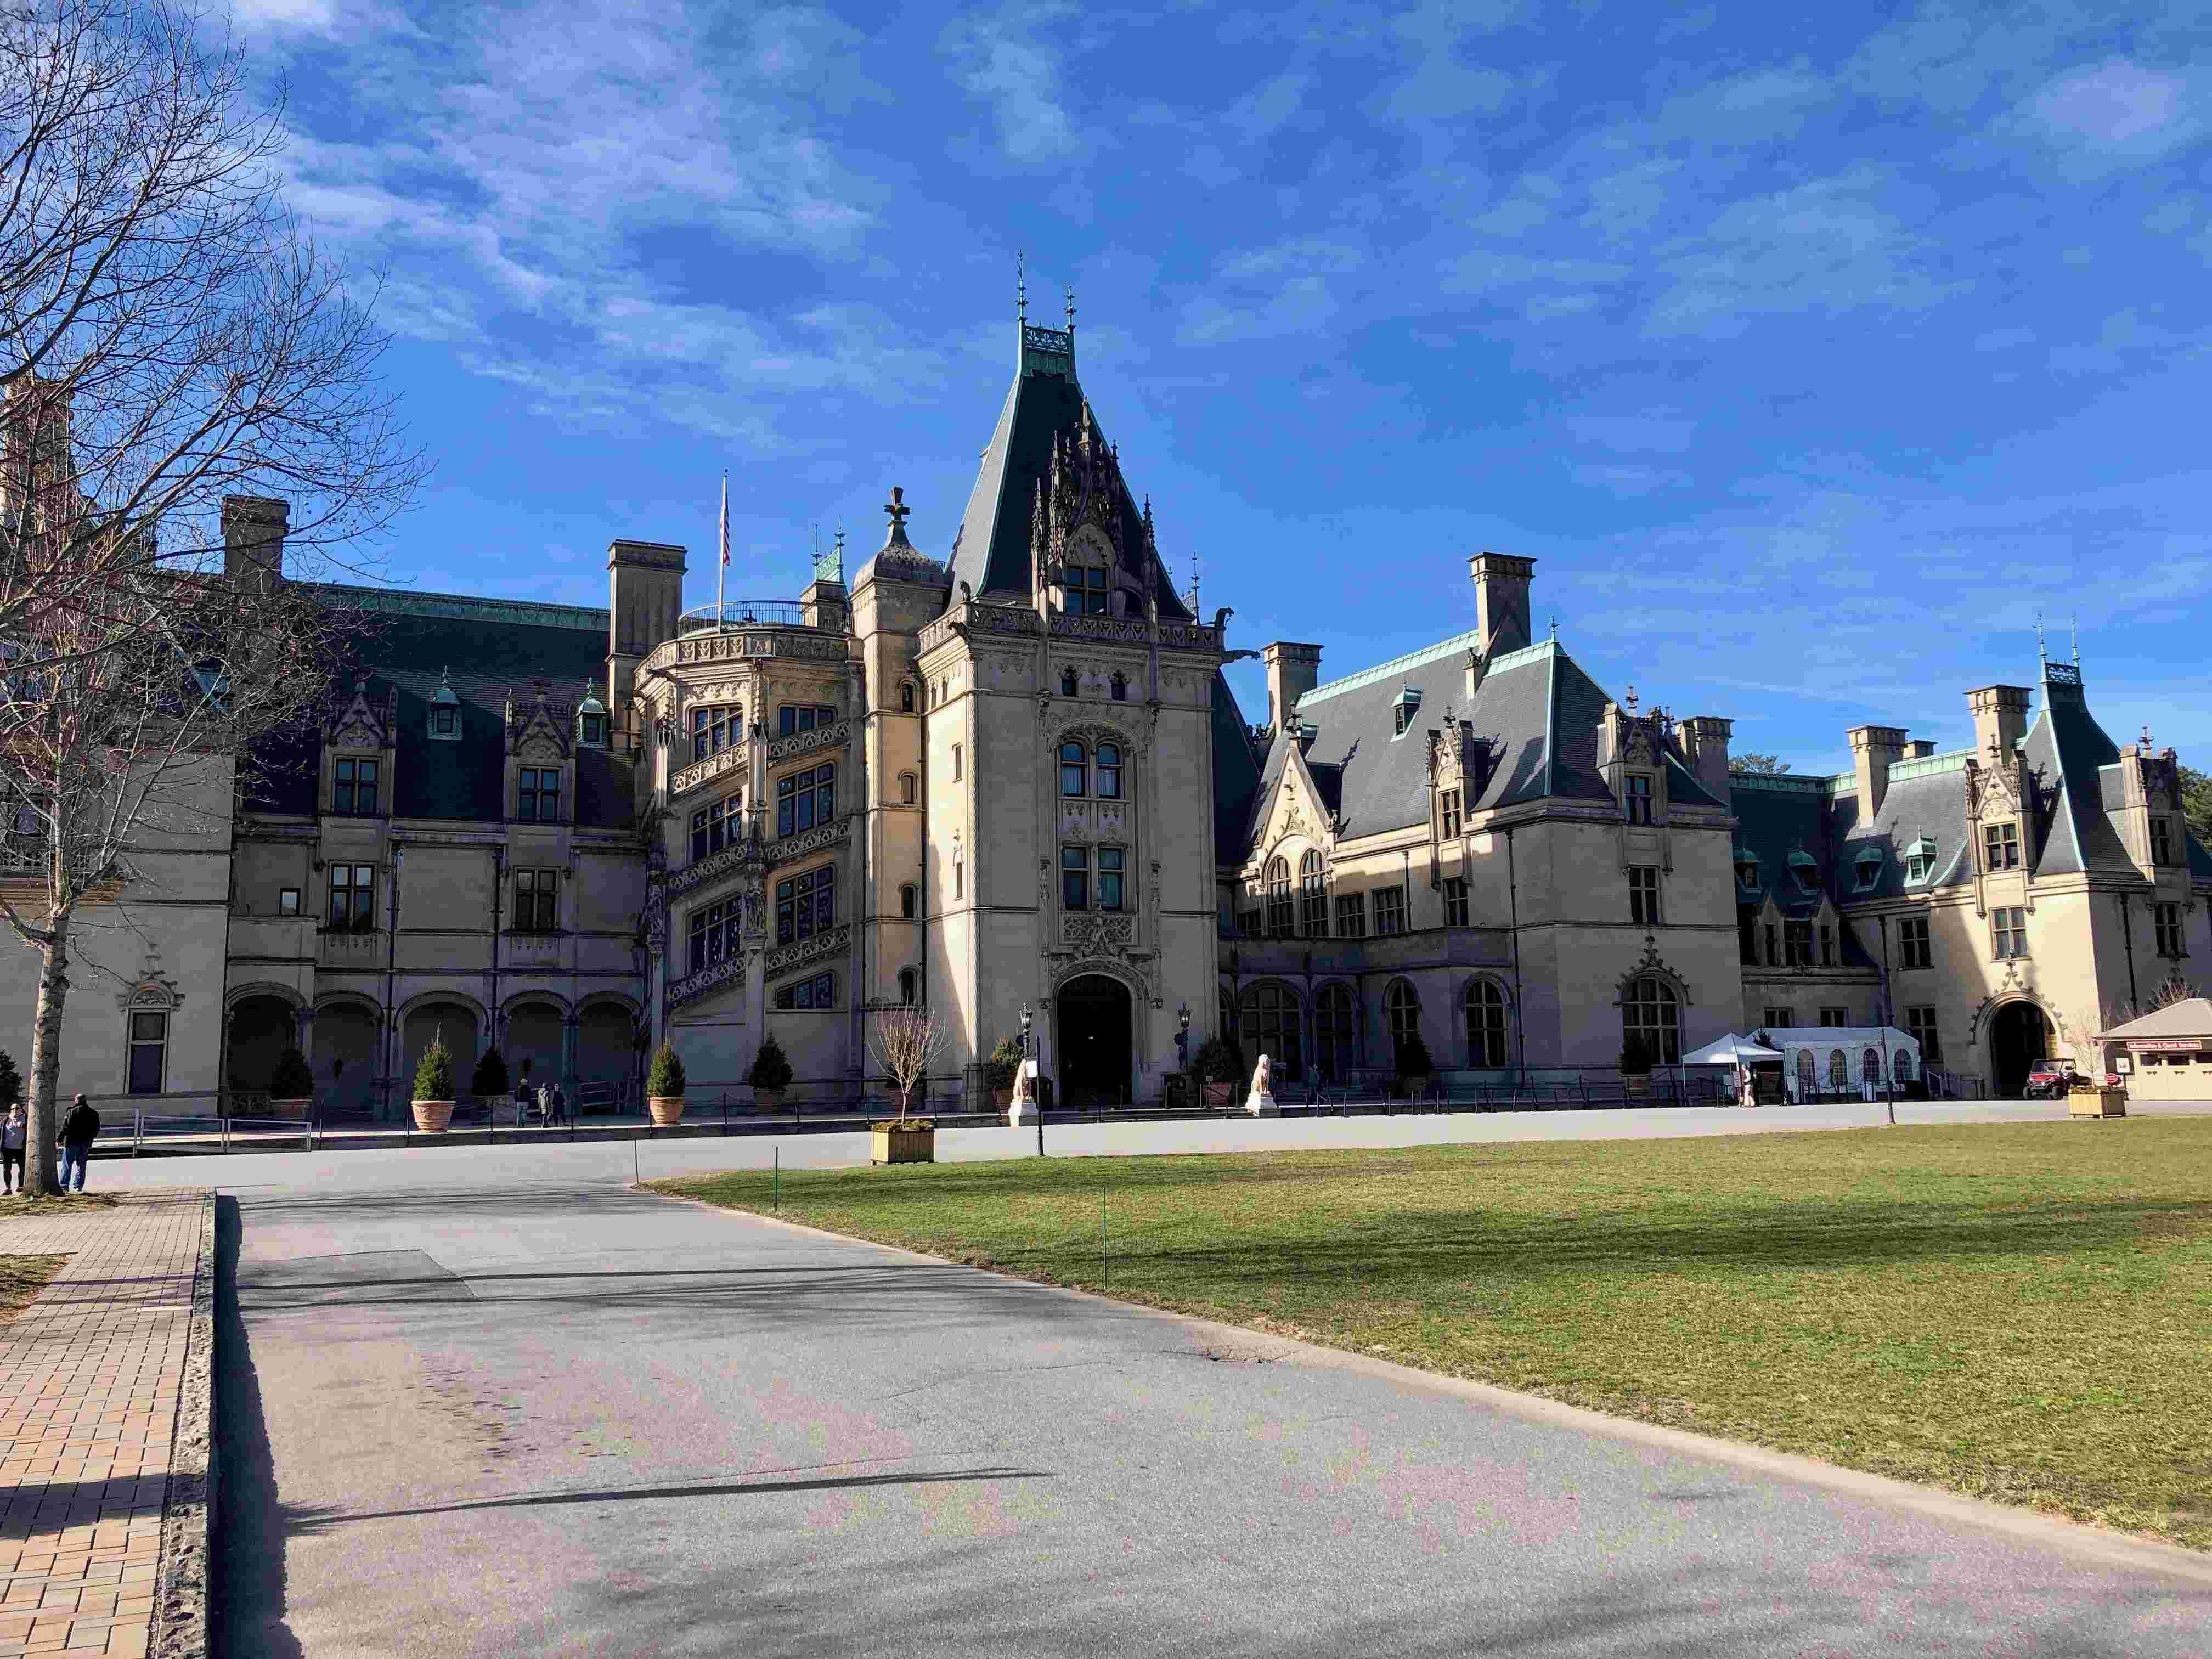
2165	1045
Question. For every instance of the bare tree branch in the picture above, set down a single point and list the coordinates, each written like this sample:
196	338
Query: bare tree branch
905	1041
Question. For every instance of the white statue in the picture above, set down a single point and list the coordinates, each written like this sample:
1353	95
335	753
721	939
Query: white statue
1260	1103
1023	1108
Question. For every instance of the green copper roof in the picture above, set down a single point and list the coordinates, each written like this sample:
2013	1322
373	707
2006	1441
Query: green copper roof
1427	654
406	602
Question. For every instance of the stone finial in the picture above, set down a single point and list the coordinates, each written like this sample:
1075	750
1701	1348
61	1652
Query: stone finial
896	510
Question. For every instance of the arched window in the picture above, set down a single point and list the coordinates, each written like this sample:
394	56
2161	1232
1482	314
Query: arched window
909	900
1279	898
909	986
906	697
1485	1023
1652	1015
1839	1070
1807	1086
1067	681
1108	773
1336	1031
1121	684
1901	1065
910	787
1870	1066
1402	1013
149	1042
1313	896
1075	771
1270	1022
1227	1011
805	799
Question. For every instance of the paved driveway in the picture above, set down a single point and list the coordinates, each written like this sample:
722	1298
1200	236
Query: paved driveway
501	1407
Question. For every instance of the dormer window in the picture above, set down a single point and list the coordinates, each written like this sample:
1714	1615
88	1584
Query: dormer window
1637	797
592	722
1086	592
1806	870
1402	710
1919	861
446	712
1869	867
537	797
2001	846
1746	870
2162	840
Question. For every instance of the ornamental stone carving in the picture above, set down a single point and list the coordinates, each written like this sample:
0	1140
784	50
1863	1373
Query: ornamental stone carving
706	771
832	943
809	840
804	743
714	865
1094	934
692	987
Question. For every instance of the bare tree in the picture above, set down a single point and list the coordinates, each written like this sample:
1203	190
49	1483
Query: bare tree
170	339
905	1041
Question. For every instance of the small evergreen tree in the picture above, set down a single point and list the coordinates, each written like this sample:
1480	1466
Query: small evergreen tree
1218	1060
771	1067
293	1078
11	1081
1635	1057
490	1078
665	1080
434	1072
1414	1057
1005	1060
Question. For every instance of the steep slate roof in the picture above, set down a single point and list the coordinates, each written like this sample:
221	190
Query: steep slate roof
1235	776
991	552
2069	749
1925	799
487	648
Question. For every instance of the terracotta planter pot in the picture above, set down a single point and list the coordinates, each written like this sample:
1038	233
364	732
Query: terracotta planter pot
431	1116
769	1103
666	1109
1002	1099
302	1109
895	1146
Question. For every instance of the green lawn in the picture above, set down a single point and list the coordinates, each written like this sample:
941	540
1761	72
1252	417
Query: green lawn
2021	1312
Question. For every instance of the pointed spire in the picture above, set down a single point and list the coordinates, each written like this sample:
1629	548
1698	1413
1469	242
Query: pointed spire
2074	627
1071	309
1021	288
2042	654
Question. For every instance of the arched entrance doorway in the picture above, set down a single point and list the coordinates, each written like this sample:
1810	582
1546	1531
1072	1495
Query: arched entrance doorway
1093	1025
345	1061
2019	1036
533	1044
606	1041
261	1029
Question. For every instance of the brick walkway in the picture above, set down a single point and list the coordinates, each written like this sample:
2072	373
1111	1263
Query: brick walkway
90	1377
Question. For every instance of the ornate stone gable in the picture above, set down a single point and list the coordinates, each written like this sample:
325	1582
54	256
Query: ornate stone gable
1078	500
1457	758
363	720
1994	788
539	729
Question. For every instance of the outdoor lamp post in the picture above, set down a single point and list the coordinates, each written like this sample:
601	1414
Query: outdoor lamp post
1037	1100
1183	1038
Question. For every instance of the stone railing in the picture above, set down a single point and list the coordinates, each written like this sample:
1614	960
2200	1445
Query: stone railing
801	743
834	942
809	840
806	644
730	860
692	987
973	618
706	771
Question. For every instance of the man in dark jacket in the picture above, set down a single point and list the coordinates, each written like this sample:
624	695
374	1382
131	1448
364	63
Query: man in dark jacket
78	1129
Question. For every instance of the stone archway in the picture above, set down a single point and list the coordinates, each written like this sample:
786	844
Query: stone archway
1094	1019
606	1043
345	1061
262	1027
2020	1036
533	1043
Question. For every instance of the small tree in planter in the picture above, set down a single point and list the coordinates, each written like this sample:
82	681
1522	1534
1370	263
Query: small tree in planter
664	1089
433	1086
293	1083
1635	1065
1218	1068
1414	1065
999	1071
490	1080
769	1076
905	1041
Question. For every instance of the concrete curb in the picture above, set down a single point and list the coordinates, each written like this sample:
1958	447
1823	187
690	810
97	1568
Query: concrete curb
181	1582
2098	1544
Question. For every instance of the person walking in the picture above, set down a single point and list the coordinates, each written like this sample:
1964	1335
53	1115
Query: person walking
78	1129
560	1111
11	1145
521	1103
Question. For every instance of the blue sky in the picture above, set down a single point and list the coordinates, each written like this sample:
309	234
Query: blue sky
1809	352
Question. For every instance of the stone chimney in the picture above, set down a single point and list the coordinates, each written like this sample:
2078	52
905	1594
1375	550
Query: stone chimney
1919	748
254	531
1999	720
645	583
1875	749
1706	738
1293	669
1501	601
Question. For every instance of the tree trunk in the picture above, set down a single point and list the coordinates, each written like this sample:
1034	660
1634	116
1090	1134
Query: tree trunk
43	1121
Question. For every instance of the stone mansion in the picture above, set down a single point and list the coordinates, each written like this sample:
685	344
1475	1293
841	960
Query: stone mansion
1012	776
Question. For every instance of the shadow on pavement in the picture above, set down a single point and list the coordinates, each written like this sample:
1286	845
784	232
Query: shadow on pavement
251	1524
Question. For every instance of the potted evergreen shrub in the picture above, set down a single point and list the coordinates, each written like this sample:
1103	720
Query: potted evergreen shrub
292	1085
433	1086
1218	1068
1635	1068
664	1089
1414	1065
998	1073
769	1076
489	1083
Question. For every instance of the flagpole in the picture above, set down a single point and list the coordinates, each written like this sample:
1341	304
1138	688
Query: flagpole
722	570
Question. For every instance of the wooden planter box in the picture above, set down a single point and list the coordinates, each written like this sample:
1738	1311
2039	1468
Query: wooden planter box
1220	1094
431	1116
666	1110
896	1145
2097	1102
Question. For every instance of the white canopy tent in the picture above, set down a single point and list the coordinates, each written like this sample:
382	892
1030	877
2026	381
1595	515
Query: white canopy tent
1839	1060
1733	1050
